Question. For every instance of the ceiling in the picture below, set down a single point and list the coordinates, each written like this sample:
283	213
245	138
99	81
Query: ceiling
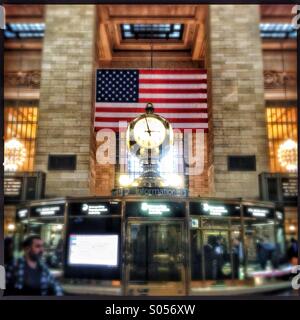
111	45
276	12
24	13
109	41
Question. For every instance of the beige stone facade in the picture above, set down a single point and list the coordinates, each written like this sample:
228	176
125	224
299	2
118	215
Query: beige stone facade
65	113
237	109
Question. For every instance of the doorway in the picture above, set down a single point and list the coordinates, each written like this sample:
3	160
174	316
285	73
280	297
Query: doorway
155	258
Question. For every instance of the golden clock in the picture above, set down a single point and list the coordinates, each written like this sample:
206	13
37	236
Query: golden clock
149	131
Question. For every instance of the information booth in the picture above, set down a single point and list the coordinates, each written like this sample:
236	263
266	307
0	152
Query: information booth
157	245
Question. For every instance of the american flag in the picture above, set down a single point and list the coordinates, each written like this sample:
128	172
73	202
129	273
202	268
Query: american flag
179	95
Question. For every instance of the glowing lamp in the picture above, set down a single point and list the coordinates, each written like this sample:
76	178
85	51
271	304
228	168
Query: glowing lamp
11	227
287	155
14	154
292	228
124	180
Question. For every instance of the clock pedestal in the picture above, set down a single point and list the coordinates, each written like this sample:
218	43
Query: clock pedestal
150	184
150	177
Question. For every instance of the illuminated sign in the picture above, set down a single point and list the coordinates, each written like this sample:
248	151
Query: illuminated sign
22	213
279	215
12	187
155	209
48	211
94	209
159	191
289	188
258	212
214	210
103	208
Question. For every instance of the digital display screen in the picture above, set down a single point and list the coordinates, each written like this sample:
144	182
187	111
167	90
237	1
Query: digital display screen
93	250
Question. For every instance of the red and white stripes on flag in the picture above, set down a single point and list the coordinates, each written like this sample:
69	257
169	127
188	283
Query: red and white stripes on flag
179	95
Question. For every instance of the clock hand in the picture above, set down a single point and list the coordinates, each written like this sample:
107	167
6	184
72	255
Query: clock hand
149	131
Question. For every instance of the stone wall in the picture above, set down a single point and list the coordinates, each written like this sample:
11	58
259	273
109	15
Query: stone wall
65	114
237	110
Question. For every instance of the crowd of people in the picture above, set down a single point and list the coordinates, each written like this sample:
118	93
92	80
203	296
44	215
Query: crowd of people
222	261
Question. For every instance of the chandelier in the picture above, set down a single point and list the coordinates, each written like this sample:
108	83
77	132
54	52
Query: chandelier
287	155
14	154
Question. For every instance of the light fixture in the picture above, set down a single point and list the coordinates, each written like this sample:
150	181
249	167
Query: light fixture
11	227
292	228
287	155
14	154
58	227
124	180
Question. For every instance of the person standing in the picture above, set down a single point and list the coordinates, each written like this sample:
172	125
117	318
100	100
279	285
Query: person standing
29	275
292	252
220	252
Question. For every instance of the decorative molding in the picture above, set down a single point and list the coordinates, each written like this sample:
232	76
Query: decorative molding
29	79
277	79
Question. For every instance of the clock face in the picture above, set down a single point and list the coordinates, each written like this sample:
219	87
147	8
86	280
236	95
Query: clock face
149	132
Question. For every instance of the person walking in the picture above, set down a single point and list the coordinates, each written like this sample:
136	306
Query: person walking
28	275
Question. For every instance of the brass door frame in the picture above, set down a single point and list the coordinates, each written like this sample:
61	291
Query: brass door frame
126	269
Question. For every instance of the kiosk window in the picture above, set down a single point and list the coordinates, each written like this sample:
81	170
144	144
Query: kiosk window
261	248
51	232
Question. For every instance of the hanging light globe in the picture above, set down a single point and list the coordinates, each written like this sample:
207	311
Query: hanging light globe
287	155
14	154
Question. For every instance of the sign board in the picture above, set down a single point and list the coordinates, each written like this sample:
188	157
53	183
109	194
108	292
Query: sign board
289	189
258	212
51	210
281	188
93	250
13	187
155	209
155	192
103	208
23	186
22	214
214	209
